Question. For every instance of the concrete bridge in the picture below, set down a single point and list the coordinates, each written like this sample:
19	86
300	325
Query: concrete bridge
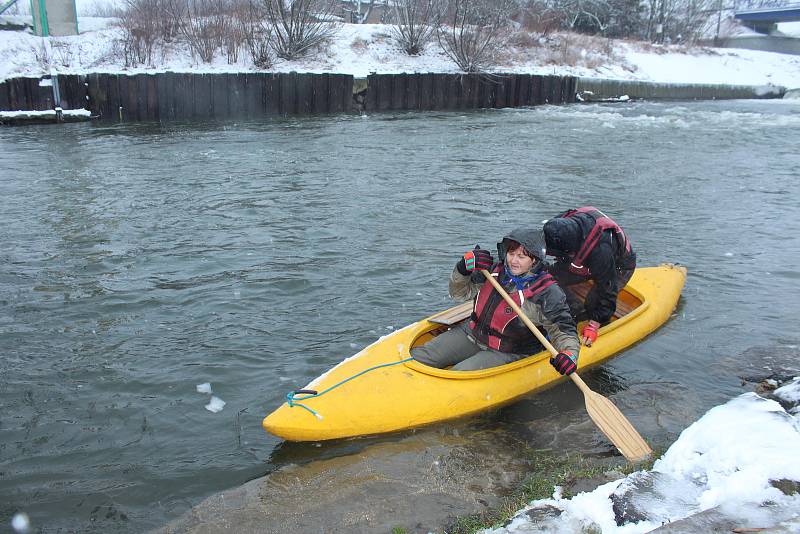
765	20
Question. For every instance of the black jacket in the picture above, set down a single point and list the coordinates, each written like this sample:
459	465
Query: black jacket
606	262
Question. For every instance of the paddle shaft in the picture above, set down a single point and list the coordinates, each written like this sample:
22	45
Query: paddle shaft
524	318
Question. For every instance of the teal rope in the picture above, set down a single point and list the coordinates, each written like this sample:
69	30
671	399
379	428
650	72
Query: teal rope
292	402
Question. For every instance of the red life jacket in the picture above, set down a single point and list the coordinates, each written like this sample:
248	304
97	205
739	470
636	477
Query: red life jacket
602	222
495	324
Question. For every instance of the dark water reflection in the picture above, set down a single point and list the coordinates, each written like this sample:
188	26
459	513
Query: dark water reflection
141	260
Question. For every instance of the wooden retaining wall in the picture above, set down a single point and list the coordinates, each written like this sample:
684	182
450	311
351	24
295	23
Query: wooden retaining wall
29	94
177	96
172	96
465	91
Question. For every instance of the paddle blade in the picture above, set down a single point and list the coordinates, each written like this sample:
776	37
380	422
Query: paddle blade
616	427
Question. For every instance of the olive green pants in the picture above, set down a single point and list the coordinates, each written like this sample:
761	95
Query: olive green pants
455	347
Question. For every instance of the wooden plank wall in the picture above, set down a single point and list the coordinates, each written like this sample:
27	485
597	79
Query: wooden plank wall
26	94
465	91
178	96
186	96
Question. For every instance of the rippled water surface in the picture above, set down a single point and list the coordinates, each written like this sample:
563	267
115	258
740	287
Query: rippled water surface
138	261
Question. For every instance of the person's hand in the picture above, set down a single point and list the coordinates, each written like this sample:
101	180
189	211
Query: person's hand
589	333
475	259
564	362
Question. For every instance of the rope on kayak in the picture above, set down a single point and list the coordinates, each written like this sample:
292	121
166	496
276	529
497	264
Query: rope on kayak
310	394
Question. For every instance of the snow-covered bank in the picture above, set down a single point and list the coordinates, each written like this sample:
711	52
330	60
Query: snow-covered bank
739	460
362	49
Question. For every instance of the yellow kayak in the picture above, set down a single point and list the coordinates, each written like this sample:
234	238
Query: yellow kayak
381	389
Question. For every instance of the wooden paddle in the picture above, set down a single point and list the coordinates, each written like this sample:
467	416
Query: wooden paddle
605	415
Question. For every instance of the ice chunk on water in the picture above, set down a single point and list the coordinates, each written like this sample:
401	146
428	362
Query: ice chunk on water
21	523
204	387
215	405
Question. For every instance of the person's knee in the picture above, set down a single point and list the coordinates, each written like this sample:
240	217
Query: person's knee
470	364
425	357
485	360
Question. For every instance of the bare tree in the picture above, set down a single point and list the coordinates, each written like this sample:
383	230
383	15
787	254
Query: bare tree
577	11
299	25
471	30
586	15
203	23
141	30
670	20
416	23
258	36
538	15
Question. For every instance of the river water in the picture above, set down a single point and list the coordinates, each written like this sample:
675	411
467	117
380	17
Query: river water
141	260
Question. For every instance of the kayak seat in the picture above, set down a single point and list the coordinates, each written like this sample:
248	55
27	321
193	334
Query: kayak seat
626	302
453	315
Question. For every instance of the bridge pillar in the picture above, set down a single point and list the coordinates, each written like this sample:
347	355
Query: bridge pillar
54	17
767	27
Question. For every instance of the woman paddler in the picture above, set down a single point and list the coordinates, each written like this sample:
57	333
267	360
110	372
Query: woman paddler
494	335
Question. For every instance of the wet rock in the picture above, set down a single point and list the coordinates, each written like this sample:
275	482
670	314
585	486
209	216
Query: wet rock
416	484
644	496
767	386
624	502
586	485
760	364
788	487
542	513
715	522
767	390
708	522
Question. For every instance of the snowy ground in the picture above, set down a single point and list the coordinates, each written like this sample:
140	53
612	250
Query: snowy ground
362	49
731	462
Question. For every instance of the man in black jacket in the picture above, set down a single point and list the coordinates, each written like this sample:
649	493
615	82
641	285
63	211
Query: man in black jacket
589	245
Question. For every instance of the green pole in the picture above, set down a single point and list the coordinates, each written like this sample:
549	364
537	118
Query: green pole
43	18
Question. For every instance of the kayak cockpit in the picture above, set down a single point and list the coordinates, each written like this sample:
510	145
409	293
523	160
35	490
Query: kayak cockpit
629	305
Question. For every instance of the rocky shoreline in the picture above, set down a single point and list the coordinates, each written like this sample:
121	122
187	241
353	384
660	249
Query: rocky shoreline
455	479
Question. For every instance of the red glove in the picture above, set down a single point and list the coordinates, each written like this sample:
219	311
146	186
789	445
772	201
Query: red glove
564	362
589	334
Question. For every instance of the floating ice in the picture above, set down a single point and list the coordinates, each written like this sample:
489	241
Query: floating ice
215	405
21	523
205	387
729	254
